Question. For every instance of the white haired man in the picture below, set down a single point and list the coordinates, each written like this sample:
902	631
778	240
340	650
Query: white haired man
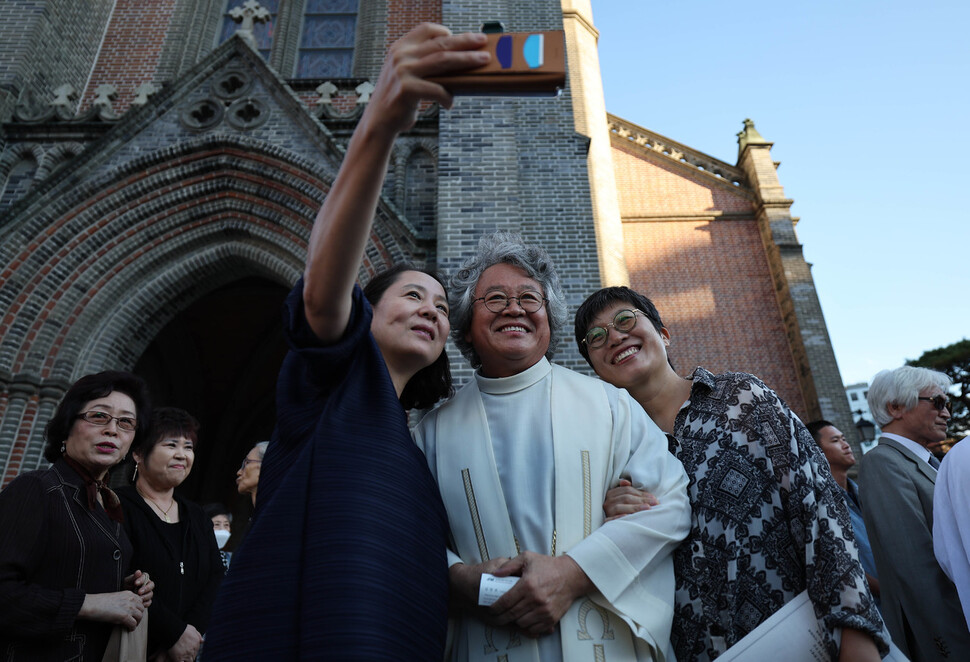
896	482
524	455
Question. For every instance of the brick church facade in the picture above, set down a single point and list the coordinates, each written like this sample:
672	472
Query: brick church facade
161	165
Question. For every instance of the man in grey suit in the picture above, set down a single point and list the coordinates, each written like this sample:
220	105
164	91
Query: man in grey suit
919	603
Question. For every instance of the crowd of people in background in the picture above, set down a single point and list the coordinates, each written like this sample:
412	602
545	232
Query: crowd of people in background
677	511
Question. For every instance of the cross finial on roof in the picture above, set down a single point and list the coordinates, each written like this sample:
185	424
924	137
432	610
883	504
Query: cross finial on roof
103	94
144	91
364	90
63	96
326	92
247	15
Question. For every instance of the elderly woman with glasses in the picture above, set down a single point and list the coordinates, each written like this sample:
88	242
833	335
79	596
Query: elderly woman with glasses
65	559
247	477
768	519
172	537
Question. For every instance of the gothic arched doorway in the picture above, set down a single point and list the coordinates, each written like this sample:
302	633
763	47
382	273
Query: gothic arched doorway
219	359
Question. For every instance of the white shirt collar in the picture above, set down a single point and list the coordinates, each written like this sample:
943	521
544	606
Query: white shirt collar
522	380
921	451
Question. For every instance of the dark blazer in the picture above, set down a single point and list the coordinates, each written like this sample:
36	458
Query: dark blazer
919	603
186	579
54	551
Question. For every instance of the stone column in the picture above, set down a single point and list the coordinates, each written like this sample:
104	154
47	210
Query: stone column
589	115
801	311
18	415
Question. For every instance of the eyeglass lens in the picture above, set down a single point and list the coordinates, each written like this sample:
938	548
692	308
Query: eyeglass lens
529	301
623	321
102	418
939	402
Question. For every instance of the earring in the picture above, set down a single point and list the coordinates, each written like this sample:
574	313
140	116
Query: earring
63	447
134	476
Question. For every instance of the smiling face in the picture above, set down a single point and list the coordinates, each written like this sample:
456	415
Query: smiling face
168	463
99	447
513	340
923	424
410	322
628	358
836	448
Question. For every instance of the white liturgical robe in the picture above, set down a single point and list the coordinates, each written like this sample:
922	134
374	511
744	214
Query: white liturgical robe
523	464
951	520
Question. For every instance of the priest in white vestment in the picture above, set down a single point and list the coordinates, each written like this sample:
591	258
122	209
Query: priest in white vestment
524	455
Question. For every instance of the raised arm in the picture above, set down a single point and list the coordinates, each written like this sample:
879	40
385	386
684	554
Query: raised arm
343	223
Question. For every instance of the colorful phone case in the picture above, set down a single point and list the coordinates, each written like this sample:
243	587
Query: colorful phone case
523	63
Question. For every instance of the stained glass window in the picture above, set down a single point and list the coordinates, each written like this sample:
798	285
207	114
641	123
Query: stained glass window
327	39
263	32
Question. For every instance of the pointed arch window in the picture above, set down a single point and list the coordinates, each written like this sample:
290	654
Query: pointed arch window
327	39
421	192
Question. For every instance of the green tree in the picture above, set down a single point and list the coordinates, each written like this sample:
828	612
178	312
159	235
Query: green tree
954	361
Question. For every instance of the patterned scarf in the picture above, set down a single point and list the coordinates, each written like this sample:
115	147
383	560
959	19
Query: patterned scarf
112	504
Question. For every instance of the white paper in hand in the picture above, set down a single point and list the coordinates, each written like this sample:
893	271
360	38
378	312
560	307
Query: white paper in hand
492	588
792	634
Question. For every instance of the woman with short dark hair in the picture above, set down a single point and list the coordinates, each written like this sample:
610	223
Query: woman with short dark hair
64	555
172	537
768	521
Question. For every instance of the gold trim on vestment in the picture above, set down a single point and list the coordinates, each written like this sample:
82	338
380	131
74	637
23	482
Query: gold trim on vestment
587	497
466	478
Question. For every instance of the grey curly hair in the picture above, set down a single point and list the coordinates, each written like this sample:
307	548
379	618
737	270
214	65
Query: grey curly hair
504	247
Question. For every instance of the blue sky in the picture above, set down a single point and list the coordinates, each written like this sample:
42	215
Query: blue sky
868	106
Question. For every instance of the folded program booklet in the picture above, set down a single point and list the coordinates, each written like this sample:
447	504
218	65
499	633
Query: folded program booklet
791	634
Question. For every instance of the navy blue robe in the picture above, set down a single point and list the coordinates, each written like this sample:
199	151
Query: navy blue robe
345	559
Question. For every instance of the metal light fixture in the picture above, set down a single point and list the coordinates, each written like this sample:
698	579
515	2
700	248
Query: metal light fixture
867	430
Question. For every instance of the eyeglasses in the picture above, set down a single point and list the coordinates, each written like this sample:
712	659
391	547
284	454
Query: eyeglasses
623	321
101	418
246	462
939	402
529	301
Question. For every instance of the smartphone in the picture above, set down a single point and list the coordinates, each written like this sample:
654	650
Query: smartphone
522	64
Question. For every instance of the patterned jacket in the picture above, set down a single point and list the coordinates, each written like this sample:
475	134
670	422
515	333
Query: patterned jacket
768	522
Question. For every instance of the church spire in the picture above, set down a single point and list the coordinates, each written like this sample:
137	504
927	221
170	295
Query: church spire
749	136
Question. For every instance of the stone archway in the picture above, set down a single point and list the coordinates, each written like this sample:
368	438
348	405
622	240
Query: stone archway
93	276
218	359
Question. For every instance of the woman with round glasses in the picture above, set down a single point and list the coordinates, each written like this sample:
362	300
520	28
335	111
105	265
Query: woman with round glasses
768	520
65	578
172	537
346	555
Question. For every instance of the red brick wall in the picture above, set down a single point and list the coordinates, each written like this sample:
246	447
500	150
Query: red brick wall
708	278
131	50
402	15
649	188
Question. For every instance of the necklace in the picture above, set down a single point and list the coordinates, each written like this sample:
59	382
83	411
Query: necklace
163	511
